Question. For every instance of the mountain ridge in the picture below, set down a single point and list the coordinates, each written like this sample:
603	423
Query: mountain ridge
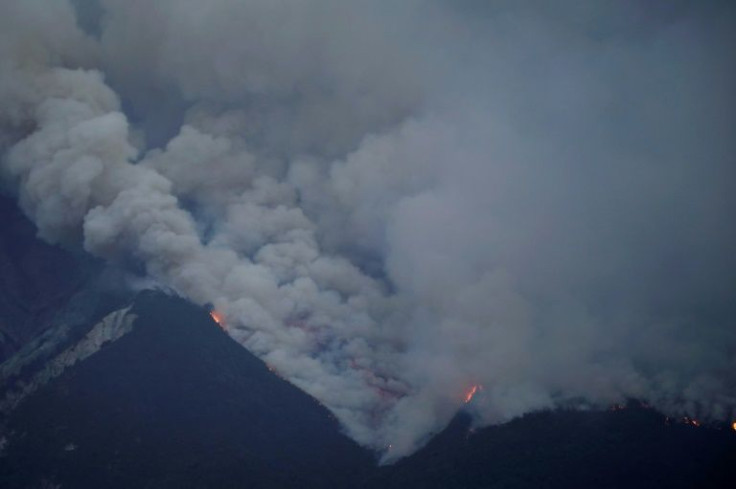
175	402
156	404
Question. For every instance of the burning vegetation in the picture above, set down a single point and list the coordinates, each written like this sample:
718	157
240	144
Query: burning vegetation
471	392
690	421
218	317
684	420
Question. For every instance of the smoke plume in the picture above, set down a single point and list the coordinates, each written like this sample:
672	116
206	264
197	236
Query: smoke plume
391	202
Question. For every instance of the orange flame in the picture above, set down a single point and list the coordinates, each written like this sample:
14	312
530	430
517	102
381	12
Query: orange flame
218	318
470	393
734	426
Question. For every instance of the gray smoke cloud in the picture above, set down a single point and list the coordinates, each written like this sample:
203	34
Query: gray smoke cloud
393	203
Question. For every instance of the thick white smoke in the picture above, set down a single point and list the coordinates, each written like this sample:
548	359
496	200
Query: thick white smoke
391	203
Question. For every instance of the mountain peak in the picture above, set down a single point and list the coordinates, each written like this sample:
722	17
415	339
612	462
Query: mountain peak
178	403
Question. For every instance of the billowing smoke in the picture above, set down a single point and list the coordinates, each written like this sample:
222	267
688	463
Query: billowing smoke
391	202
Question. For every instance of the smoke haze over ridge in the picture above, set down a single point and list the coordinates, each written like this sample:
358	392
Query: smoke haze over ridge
391	203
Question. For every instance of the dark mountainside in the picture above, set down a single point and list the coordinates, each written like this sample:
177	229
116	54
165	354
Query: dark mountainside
35	280
628	448
175	403
44	287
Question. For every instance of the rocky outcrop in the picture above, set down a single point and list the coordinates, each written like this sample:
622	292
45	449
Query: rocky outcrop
49	296
112	327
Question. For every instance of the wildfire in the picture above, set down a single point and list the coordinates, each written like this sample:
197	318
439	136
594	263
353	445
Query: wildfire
470	393
218	318
690	421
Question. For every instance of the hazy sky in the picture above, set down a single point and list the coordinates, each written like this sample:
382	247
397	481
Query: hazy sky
394	201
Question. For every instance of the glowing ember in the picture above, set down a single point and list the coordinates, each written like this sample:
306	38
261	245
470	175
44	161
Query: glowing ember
470	393
218	318
690	421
